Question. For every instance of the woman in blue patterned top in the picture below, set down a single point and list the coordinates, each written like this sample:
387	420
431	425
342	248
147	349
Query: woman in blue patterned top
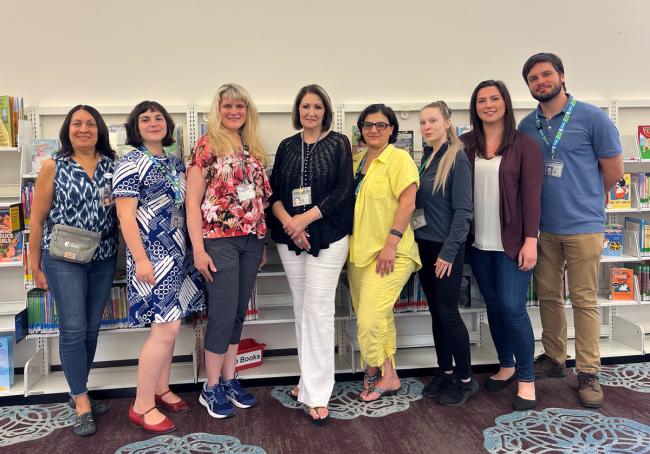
149	189
73	189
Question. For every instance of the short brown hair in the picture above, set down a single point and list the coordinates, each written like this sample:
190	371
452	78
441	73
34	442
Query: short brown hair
327	104
133	136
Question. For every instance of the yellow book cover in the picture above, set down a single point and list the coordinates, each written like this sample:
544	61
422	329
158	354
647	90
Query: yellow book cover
5	122
619	195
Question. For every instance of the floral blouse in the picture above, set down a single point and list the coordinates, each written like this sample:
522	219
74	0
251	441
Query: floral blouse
224	215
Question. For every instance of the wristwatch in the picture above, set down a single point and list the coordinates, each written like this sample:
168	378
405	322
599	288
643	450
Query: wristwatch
396	232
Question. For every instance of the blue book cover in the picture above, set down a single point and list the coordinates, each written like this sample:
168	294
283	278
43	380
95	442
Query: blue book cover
6	361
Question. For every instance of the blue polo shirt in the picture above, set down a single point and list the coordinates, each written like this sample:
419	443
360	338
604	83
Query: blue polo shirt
575	202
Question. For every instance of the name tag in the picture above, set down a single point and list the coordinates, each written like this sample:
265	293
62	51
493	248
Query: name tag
418	220
245	192
553	168
301	196
105	195
178	220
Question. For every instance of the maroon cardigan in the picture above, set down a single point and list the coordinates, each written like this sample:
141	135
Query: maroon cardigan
520	191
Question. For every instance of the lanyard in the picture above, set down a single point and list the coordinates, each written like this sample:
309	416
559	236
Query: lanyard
558	135
356	175
169	173
244	150
302	157
423	165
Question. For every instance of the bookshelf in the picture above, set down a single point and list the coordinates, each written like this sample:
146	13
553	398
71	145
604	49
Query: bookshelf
625	327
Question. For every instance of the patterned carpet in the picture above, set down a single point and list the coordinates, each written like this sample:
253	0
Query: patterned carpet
403	423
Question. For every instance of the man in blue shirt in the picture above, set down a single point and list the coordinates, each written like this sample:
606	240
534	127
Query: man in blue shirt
582	156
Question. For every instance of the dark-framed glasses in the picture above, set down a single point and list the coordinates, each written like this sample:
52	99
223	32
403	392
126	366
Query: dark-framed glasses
380	125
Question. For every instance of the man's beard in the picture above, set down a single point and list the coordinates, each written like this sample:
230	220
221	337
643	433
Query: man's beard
548	96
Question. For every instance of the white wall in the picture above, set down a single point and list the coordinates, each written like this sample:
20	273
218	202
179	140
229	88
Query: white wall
178	52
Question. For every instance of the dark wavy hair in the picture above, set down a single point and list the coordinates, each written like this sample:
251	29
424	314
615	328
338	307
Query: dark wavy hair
386	112
476	137
319	91
133	136
103	146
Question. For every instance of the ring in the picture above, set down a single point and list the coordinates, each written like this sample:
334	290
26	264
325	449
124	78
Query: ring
299	241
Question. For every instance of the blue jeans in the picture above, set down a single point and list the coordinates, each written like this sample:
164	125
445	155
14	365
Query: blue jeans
504	288
80	292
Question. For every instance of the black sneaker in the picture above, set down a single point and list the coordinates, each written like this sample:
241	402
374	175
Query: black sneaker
438	386
458	393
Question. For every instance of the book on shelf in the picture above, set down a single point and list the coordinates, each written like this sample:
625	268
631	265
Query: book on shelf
6	361
11	112
177	148
643	137
531	295
356	139
40	150
26	198
621	284
642	230
11	243
405	141
641	279
619	196
252	311
42	315
613	242
117	139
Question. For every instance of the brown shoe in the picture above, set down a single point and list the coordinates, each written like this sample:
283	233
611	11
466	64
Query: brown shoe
546	367
589	390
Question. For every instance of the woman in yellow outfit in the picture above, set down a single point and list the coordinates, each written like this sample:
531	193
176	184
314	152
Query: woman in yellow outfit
383	252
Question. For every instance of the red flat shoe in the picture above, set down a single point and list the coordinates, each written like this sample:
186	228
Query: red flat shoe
172	407
163	427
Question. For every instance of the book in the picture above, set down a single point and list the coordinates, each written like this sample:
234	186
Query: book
42	149
637	225
6	135
405	141
117	139
618	196
643	136
6	361
11	243
613	244
356	139
621	287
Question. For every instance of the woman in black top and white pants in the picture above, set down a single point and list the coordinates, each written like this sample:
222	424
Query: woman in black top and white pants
441	223
313	207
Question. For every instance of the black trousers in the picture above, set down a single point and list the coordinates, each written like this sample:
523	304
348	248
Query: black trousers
449	331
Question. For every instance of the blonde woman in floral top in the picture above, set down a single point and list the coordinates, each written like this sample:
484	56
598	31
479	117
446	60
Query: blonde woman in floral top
227	192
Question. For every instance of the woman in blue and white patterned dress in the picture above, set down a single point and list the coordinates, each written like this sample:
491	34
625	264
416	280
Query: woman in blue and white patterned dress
149	189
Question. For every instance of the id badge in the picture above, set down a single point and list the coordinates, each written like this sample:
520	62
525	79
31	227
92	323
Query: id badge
553	168
301	196
106	196
245	192
177	219
417	219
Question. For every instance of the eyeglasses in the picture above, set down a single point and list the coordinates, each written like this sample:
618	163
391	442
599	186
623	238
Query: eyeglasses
367	126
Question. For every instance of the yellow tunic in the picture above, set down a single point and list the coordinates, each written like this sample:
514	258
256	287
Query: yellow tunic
373	296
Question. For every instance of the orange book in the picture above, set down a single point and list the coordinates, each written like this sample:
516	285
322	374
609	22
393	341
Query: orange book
621	284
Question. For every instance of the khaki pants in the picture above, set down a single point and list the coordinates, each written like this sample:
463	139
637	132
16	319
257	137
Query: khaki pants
581	253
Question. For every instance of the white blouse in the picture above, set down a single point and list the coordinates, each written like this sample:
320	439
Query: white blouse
487	221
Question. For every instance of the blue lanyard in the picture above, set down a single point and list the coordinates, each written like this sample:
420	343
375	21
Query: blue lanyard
169	173
356	175
558	135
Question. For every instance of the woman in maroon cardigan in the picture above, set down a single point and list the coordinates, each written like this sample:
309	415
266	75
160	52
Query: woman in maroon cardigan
507	181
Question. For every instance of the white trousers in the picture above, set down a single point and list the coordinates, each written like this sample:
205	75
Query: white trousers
313	282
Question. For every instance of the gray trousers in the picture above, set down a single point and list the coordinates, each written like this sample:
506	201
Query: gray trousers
237	260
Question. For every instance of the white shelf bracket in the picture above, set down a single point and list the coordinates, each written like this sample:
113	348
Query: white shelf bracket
339	118
613	111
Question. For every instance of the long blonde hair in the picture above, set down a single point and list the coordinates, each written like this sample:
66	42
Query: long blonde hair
218	136
455	145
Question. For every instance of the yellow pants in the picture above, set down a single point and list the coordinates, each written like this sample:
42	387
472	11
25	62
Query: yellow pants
373	298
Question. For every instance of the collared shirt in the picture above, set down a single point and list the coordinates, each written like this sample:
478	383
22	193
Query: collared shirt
78	201
375	206
223	214
575	202
449	213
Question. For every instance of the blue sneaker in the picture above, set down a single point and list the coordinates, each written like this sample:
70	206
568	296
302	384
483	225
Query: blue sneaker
214	399
236	394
